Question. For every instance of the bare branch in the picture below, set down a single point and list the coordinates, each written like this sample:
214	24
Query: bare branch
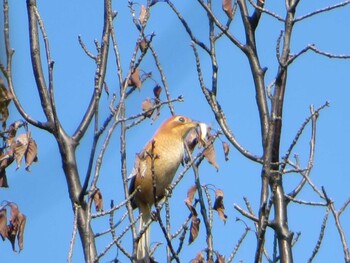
322	10
87	52
101	62
266	11
74	234
320	238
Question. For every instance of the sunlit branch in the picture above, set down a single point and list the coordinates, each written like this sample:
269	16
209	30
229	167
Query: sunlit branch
322	10
266	11
320	238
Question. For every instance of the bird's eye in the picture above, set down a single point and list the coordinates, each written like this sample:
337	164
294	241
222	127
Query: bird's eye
182	119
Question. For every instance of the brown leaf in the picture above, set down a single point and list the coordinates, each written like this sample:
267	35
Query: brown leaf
98	200
190	195
3	179
20	148
203	133
226	148
135	79
105	86
143	15
3	223
227	7
157	90
5	160
194	229
144	45
219	258
209	153
5	99
22	223
12	132
147	105
16	227
199	258
31	154
191	140
219	204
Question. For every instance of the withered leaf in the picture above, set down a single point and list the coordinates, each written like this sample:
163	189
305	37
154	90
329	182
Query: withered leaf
16	227
144	45
31	154
5	160
157	90
209	153
12	132
226	148
20	148
3	179
191	140
219	204
5	98
105	86
219	258
147	105
199	258
20	234
190	195
227	7
194	229
3	223
203	133
143	15
135	79
98	200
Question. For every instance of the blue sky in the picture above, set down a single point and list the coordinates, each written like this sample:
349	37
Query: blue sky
42	194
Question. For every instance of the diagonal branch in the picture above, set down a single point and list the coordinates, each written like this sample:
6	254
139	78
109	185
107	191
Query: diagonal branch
99	75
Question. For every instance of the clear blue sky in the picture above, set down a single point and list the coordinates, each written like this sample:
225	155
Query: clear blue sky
42	194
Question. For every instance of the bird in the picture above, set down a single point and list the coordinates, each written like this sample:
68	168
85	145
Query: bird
154	169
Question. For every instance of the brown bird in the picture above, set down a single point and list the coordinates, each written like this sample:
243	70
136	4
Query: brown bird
157	162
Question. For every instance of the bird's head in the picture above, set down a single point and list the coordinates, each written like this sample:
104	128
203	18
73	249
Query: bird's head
178	126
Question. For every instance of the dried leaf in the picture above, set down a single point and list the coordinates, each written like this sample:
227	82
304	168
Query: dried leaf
226	148
16	227
190	195
5	160
144	45
12	132
209	153
105	86
20	148
20	234
11	236
227	7
98	200
5	99
147	105
157	90
219	258
3	223
199	258
135	79
194	229
140	165
203	133
143	15
31	154
191	140
219	204
3	179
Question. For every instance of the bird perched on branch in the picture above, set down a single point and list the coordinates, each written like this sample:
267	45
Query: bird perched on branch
154	170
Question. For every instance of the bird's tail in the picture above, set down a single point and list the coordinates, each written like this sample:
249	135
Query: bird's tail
143	246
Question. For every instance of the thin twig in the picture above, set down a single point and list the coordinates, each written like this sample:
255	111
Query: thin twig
74	233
